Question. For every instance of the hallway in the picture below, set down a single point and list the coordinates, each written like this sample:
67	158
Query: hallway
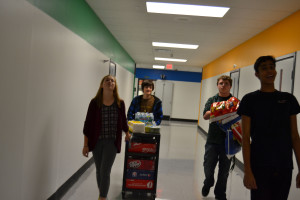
180	171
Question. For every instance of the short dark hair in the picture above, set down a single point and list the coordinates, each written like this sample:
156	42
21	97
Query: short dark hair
147	83
262	59
225	78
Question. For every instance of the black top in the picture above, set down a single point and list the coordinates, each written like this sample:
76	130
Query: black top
270	129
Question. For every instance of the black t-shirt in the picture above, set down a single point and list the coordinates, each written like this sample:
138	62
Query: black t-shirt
270	112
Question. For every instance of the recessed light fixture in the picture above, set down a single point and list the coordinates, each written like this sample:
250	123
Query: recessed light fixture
174	45
171	59
186	9
158	66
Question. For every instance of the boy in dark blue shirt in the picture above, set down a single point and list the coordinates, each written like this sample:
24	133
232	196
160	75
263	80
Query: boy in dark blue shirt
146	103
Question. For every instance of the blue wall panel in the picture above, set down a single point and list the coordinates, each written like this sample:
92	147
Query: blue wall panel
155	74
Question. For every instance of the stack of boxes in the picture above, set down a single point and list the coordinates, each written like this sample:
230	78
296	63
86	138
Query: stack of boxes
144	122
140	171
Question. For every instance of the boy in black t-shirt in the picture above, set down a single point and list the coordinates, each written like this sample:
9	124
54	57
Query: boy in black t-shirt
269	118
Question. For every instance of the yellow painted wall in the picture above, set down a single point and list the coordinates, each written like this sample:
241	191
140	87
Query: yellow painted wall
278	40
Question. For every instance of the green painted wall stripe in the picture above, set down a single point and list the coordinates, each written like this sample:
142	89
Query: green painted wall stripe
77	16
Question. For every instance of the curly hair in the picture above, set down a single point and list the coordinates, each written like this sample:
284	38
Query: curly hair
225	77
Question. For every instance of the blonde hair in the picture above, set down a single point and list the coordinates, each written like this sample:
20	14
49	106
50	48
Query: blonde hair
99	95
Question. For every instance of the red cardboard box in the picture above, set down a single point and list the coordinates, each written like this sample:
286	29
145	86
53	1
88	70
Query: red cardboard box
140	164
142	147
237	131
139	184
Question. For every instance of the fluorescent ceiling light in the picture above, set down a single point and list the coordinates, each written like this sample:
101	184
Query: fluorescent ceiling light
158	66
170	59
174	45
186	9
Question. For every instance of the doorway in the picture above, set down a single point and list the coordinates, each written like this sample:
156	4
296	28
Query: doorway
285	67
235	76
164	91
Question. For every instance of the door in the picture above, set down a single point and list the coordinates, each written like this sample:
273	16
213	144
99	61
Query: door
285	73
235	76
164	91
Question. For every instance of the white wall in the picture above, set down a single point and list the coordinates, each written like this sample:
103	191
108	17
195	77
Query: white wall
47	77
13	86
125	84
248	81
186	97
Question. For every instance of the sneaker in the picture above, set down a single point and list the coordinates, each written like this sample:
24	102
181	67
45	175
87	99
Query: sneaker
205	190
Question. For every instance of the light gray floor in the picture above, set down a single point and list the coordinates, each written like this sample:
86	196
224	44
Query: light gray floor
180	171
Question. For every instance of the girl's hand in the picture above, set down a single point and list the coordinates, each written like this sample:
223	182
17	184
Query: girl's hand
127	137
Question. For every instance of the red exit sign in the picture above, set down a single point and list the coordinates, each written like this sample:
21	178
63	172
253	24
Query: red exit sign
169	66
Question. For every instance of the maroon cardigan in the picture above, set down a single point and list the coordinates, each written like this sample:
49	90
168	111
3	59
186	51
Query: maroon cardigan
93	123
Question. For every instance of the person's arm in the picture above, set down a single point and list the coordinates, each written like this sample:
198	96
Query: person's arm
158	113
249	180
87	126
206	116
296	145
85	149
130	112
206	111
125	124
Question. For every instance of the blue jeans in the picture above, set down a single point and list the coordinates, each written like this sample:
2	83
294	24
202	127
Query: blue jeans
215	153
